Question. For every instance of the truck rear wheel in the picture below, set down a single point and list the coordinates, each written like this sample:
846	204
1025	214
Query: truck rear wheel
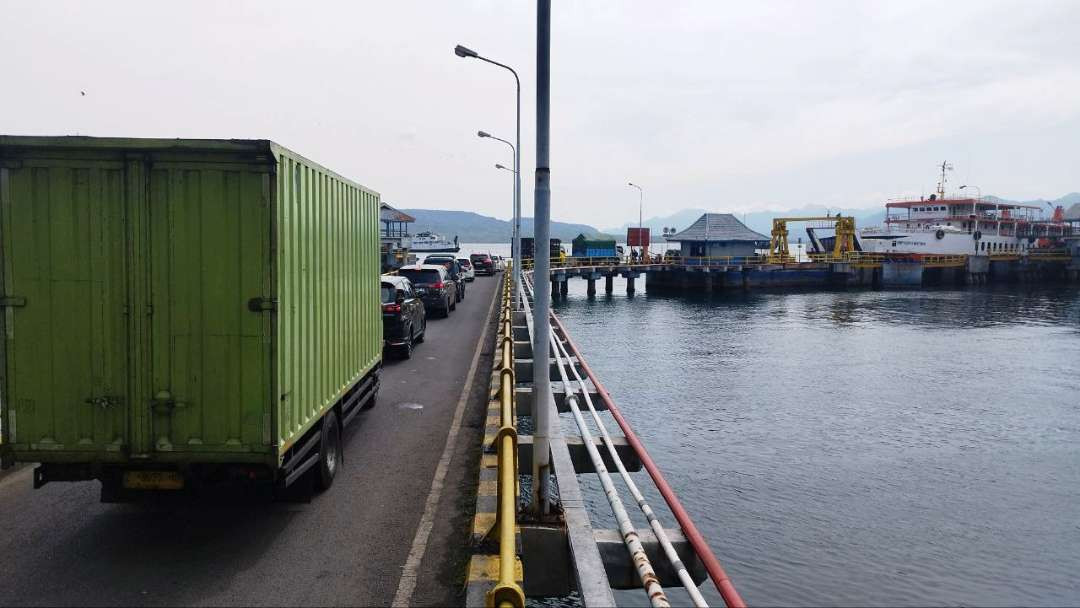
329	452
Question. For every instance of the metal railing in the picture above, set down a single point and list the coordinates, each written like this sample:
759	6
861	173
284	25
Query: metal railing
1061	255
653	261
943	260
566	354
506	593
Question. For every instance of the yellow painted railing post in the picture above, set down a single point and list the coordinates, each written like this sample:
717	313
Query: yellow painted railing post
506	593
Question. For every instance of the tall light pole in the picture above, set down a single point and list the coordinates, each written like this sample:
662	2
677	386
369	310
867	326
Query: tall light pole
975	211
464	52
543	405
641	203
514	212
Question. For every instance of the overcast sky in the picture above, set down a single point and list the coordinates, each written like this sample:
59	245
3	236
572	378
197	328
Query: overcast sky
732	106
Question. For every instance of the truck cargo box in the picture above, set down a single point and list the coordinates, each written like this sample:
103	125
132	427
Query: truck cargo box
176	304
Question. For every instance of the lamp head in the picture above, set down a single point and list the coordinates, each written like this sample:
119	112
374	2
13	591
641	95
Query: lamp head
461	51
498	166
483	134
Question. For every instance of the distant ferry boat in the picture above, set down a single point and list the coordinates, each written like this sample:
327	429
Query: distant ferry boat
430	242
940	225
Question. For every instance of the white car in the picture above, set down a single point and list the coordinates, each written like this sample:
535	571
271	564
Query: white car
466	265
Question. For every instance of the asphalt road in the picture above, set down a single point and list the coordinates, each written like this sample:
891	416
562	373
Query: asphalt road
60	546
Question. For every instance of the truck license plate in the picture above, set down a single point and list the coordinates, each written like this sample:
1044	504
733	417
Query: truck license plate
153	480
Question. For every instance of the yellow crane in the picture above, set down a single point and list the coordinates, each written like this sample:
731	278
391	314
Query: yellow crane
845	235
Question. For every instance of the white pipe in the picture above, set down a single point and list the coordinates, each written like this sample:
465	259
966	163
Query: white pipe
654	522
626	527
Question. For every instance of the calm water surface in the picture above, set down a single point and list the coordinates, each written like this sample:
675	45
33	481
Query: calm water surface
859	447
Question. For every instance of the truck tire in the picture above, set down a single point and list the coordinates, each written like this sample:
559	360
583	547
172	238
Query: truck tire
329	453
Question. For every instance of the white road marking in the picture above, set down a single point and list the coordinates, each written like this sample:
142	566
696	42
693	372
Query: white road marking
410	571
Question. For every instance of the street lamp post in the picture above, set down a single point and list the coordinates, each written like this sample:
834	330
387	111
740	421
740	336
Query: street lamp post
514	238
641	203
464	52
498	166
975	212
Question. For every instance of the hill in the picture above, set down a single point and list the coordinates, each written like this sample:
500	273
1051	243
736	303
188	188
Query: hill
472	227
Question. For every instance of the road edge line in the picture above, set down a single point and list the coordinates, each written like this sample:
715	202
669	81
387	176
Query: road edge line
409	573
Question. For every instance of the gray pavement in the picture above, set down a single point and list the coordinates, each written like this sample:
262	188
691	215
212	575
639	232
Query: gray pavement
346	547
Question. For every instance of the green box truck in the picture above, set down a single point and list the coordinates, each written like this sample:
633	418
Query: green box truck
179	313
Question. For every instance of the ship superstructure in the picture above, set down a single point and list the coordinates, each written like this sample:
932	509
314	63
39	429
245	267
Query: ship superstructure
944	225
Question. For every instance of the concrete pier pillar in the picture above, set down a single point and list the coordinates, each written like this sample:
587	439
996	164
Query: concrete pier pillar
709	282
564	287
609	284
591	290
554	287
630	285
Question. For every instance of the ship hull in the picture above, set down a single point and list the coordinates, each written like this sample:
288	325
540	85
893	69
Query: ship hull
942	243
435	249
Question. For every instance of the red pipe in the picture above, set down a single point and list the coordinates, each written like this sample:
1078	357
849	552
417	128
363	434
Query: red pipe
697	541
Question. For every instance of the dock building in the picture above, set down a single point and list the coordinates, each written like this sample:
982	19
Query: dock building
716	235
394	238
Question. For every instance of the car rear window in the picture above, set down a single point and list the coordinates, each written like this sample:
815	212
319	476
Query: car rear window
389	293
464	262
420	277
478	257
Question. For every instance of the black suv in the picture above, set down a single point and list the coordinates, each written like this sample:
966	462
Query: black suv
450	263
482	263
433	284
404	322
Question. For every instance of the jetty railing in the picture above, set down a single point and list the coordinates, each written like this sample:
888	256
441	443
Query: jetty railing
568	360
506	593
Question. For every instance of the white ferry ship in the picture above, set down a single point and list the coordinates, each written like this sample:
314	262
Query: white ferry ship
940	225
430	242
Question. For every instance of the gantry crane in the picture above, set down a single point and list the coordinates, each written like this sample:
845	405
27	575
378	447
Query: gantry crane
845	235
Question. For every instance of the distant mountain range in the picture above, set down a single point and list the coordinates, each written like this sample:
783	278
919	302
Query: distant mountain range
761	221
472	227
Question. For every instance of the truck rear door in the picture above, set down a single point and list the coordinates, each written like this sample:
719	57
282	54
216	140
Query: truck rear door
65	311
209	267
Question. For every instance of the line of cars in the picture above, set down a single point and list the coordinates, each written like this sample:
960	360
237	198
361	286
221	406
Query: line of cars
431	288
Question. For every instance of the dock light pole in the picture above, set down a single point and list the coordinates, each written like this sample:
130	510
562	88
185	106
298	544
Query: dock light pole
975	209
514	238
543	406
978	190
466	53
641	203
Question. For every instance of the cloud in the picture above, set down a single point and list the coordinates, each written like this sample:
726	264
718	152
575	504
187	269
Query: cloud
738	105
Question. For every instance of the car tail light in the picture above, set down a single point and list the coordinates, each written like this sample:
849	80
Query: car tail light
438	285
391	308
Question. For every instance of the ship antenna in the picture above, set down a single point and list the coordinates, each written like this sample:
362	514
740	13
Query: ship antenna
945	166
